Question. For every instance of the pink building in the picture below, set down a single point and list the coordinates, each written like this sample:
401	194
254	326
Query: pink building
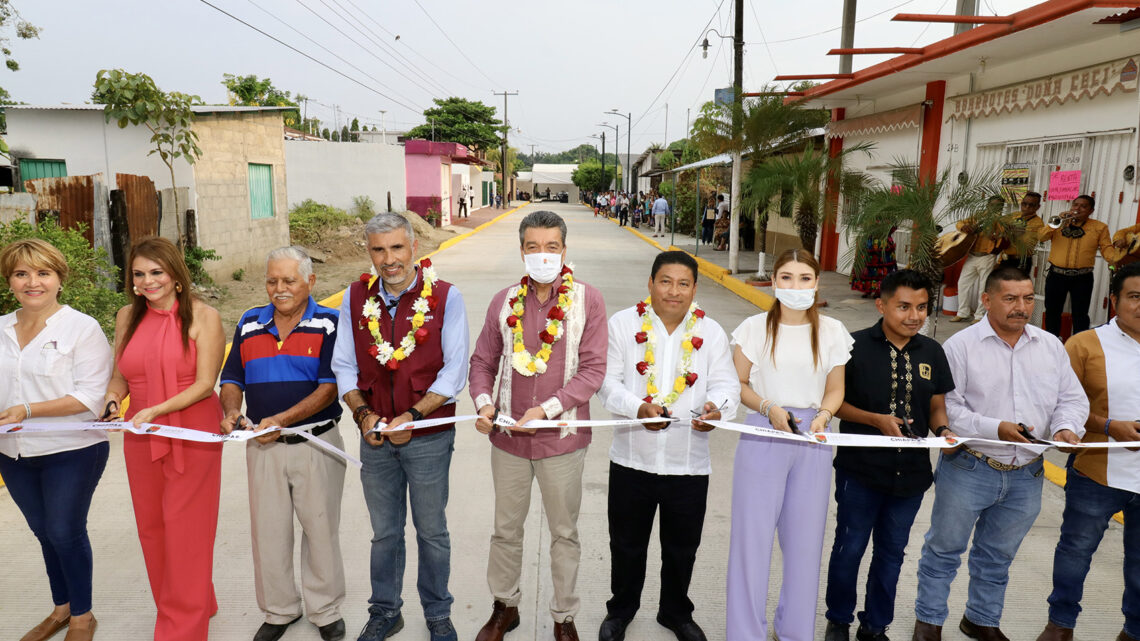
428	170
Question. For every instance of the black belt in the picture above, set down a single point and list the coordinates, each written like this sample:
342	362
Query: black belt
1066	271
293	439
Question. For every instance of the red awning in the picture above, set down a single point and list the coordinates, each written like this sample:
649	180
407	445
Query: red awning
893	120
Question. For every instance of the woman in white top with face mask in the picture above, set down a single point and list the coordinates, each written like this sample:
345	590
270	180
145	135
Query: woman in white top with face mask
790	361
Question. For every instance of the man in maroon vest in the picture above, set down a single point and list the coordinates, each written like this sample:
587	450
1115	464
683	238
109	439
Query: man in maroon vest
401	355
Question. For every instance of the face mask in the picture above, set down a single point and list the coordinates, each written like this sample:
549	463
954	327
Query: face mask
543	268
797	299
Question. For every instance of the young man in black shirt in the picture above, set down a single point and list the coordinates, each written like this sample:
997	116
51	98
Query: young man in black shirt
896	385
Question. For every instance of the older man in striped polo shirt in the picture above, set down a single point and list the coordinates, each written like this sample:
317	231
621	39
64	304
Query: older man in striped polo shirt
281	360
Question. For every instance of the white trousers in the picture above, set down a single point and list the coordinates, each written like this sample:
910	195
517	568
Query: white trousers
972	283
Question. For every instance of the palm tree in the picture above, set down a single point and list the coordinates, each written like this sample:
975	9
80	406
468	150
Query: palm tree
804	177
924	207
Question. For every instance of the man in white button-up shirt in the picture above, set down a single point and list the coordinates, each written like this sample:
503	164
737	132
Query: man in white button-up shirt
667	358
1011	380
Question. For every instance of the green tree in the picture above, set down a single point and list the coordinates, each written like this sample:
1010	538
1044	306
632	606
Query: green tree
90	285
252	91
467	122
589	177
335	136
134	99
513	161
23	30
325	134
344	134
355	130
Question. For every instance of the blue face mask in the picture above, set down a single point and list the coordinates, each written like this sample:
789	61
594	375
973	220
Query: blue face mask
797	299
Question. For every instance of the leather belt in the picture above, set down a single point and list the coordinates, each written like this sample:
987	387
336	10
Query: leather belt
997	465
1066	271
293	439
978	254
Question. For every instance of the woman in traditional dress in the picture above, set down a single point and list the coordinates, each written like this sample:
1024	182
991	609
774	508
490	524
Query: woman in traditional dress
878	261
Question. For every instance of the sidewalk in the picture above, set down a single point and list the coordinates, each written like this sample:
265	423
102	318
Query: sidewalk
481	215
618	264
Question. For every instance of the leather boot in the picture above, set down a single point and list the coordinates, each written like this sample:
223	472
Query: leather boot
837	632
1053	632
503	620
924	631
981	632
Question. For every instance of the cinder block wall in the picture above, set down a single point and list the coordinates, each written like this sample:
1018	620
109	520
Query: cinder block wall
230	142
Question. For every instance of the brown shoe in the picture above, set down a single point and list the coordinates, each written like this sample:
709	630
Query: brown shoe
46	629
924	631
503	620
981	632
565	631
1054	632
82	631
1123	636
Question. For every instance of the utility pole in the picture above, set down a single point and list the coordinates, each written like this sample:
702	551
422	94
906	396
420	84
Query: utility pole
384	126
666	125
847	36
305	116
507	191
965	8
737	126
688	125
605	183
532	158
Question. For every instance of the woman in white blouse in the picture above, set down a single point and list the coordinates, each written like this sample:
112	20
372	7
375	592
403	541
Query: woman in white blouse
790	361
55	363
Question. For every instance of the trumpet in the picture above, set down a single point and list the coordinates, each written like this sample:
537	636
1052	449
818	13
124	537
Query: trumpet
1057	221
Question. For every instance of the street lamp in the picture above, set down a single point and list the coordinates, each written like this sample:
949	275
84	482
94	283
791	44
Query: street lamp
628	138
615	128
705	42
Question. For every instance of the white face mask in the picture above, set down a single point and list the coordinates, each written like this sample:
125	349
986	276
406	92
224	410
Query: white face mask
543	268
797	299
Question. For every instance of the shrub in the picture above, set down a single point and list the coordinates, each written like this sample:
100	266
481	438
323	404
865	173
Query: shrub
90	287
196	258
307	220
364	208
238	274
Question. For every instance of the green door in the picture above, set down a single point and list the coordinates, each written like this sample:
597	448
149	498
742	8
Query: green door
485	185
32	168
260	191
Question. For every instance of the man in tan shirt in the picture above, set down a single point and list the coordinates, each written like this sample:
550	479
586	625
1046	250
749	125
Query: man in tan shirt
977	267
1071	261
1030	226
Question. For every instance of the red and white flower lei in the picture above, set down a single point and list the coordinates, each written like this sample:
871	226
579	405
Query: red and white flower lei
522	360
382	350
648	366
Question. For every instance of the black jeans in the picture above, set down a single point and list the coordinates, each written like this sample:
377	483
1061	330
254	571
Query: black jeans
623	217
634	497
1078	289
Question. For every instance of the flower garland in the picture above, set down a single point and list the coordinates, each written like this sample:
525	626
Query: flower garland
382	350
522	360
690	342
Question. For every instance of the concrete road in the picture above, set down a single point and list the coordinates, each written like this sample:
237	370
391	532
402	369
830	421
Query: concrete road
618	264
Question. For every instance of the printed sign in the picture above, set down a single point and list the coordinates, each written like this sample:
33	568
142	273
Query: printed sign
1089	82
1014	183
1064	185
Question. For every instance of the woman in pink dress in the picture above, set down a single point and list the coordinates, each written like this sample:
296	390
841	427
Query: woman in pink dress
168	348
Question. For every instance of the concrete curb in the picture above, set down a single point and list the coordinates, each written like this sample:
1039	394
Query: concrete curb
717	273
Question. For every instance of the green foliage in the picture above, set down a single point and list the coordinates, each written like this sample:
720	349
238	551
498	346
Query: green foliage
363	207
494	156
238	274
588	176
766	124
325	134
469	123
24	30
308	219
90	287
196	258
134	99
921	206
252	91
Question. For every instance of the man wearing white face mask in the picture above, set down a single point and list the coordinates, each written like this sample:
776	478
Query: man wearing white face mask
545	339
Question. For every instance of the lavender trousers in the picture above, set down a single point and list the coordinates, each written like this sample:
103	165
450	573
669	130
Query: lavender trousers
777	486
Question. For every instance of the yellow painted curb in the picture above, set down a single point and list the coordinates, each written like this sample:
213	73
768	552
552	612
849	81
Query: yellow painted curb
1056	474
335	300
715	272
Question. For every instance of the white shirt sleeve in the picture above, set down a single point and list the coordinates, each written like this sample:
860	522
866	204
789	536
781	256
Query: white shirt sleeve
614	394
92	364
963	420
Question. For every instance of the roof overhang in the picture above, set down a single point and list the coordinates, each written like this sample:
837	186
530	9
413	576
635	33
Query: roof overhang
1052	24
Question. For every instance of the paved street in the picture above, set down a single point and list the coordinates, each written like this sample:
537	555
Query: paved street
617	263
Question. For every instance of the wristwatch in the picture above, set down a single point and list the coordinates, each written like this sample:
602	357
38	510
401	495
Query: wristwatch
940	429
416	414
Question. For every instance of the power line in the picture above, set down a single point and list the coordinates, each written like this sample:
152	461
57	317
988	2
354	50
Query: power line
679	65
350	39
923	32
375	40
296	50
763	38
820	33
457	47
410	47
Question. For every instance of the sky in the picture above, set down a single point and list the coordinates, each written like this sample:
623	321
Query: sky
570	62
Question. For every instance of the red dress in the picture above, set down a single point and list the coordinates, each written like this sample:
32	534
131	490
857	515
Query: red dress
175	485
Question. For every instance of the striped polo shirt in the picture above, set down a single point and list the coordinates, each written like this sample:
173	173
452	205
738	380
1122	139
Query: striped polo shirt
276	375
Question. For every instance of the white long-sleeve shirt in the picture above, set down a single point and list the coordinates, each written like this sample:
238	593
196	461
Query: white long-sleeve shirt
679	449
1031	383
69	357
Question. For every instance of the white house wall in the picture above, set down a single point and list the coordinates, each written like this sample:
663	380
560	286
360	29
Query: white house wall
88	145
334	173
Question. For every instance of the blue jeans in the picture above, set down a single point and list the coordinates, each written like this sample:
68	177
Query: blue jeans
54	493
999	507
1088	507
393	474
863	512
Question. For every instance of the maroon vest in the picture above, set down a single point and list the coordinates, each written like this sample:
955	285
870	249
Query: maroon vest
393	392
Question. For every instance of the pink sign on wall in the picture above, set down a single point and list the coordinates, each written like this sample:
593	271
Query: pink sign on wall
1064	185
